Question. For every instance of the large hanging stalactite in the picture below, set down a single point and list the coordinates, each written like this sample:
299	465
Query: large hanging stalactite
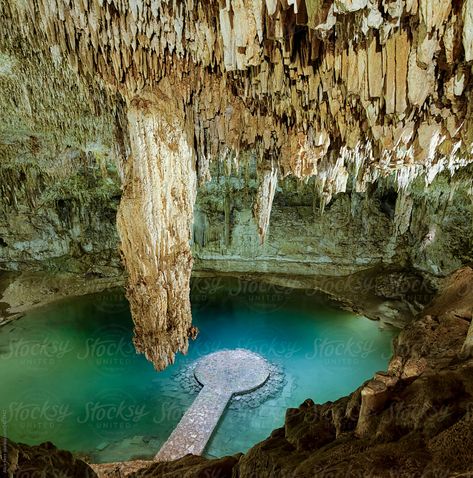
154	222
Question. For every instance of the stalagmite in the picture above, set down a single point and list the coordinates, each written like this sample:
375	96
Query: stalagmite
373	396
154	223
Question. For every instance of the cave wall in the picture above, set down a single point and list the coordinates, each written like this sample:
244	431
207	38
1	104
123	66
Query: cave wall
69	224
61	184
59	179
425	228
367	98
59	224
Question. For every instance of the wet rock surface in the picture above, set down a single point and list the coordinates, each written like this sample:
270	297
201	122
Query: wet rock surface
271	387
222	374
29	290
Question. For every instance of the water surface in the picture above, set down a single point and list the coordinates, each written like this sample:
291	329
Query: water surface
69	373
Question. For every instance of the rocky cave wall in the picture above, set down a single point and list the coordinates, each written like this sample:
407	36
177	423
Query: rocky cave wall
74	228
59	185
426	229
285	103
60	194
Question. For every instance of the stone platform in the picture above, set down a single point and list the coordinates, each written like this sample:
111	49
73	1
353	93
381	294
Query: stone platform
222	374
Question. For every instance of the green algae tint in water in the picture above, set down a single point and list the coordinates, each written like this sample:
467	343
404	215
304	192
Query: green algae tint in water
69	373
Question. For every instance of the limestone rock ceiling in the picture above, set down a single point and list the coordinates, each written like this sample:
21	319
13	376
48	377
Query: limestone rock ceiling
383	83
343	90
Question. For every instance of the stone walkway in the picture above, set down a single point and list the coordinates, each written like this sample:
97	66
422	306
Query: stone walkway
222	374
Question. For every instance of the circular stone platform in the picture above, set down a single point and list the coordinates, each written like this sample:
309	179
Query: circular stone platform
237	371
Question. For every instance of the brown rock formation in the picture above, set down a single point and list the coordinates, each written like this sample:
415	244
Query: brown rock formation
154	222
21	461
264	201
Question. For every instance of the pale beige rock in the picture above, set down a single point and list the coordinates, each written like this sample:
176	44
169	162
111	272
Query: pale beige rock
154	222
390	82
428	137
434	12
402	55
375	70
467	14
402	213
373	397
346	6
413	367
421	81
426	49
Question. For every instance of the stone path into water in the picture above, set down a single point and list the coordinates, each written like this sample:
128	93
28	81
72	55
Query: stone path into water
222	374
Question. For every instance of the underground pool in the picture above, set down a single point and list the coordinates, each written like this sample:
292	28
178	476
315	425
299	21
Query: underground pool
70	374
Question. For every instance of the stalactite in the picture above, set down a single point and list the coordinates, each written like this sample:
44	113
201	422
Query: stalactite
403	212
264	200
155	222
334	88
227	211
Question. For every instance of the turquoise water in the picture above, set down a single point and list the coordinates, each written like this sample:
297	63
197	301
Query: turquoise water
69	373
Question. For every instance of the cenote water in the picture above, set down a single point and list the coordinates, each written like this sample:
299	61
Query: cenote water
70	375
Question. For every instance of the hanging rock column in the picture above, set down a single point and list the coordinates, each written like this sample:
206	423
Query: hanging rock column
154	223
